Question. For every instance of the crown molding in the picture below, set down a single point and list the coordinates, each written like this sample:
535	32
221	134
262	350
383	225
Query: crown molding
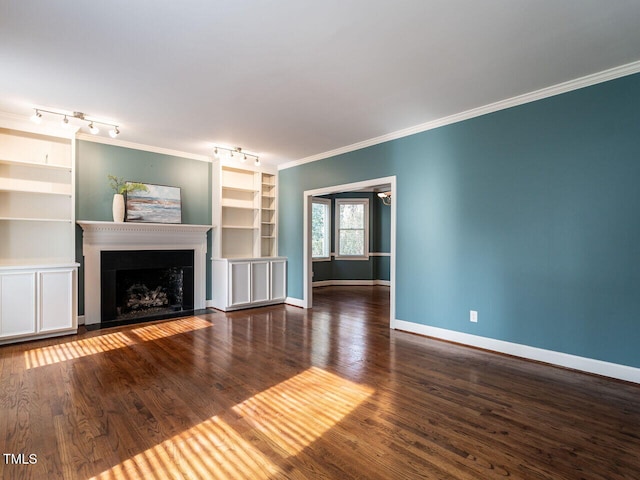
138	146
586	81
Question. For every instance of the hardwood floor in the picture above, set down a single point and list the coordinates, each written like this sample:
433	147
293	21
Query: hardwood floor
280	392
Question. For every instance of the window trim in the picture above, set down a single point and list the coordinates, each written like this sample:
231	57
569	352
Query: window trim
358	201
327	233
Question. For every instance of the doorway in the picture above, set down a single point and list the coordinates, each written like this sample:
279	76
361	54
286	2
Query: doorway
367	185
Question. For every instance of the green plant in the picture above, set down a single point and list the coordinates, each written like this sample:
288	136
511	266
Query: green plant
119	185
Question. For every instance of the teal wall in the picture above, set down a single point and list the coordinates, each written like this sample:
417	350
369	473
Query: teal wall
94	161
529	215
375	268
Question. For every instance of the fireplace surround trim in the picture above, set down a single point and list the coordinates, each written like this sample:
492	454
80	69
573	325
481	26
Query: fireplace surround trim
98	236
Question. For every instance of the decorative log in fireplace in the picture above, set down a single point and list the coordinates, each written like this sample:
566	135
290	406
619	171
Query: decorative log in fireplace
146	284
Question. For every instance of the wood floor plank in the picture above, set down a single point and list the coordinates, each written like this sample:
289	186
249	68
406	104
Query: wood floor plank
281	392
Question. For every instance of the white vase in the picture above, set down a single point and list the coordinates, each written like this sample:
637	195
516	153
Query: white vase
118	207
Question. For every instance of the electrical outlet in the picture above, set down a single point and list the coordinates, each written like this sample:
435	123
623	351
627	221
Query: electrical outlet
473	316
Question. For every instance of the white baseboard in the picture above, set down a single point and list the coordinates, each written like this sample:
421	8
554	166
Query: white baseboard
209	304
333	283
80	319
590	365
296	302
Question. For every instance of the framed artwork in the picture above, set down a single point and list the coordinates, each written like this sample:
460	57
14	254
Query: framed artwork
159	204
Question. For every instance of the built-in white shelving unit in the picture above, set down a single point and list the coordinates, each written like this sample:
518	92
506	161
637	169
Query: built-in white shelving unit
37	231
239	210
246	270
268	232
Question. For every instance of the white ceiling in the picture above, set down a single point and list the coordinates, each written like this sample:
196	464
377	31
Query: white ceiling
289	79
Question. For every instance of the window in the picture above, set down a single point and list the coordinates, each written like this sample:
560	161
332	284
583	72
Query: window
352	228
321	229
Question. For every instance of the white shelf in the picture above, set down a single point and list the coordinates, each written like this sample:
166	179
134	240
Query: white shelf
239	227
49	166
7	264
240	189
239	207
28	219
33	190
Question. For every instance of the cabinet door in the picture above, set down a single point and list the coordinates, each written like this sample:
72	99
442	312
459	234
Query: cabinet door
17	304
259	281
278	279
56	300
239	283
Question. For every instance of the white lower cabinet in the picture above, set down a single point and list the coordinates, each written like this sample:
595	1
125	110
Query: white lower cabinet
55	301
260	281
239	283
278	279
37	303
246	283
17	304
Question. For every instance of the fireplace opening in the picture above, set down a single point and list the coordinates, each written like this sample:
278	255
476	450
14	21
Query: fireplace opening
146	284
148	291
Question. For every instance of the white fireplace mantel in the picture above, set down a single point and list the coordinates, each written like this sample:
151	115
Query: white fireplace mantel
99	236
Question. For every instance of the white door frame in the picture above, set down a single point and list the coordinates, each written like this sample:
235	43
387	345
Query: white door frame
307	300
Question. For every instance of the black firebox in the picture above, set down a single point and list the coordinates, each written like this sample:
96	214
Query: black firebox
141	285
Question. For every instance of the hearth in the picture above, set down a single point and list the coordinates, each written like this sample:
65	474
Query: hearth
146	284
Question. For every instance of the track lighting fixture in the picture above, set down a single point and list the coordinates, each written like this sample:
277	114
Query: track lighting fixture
231	152
91	122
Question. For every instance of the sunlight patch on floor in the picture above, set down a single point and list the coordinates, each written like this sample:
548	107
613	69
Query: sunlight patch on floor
39	357
285	418
297	411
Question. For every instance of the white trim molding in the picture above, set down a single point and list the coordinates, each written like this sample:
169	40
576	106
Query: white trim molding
296	302
587	81
307	265
334	255
584	364
358	283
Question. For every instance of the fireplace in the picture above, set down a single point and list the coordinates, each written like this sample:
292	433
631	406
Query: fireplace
146	284
113	237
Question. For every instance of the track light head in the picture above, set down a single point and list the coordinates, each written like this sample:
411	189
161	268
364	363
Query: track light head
93	129
65	122
257	161
37	117
114	132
